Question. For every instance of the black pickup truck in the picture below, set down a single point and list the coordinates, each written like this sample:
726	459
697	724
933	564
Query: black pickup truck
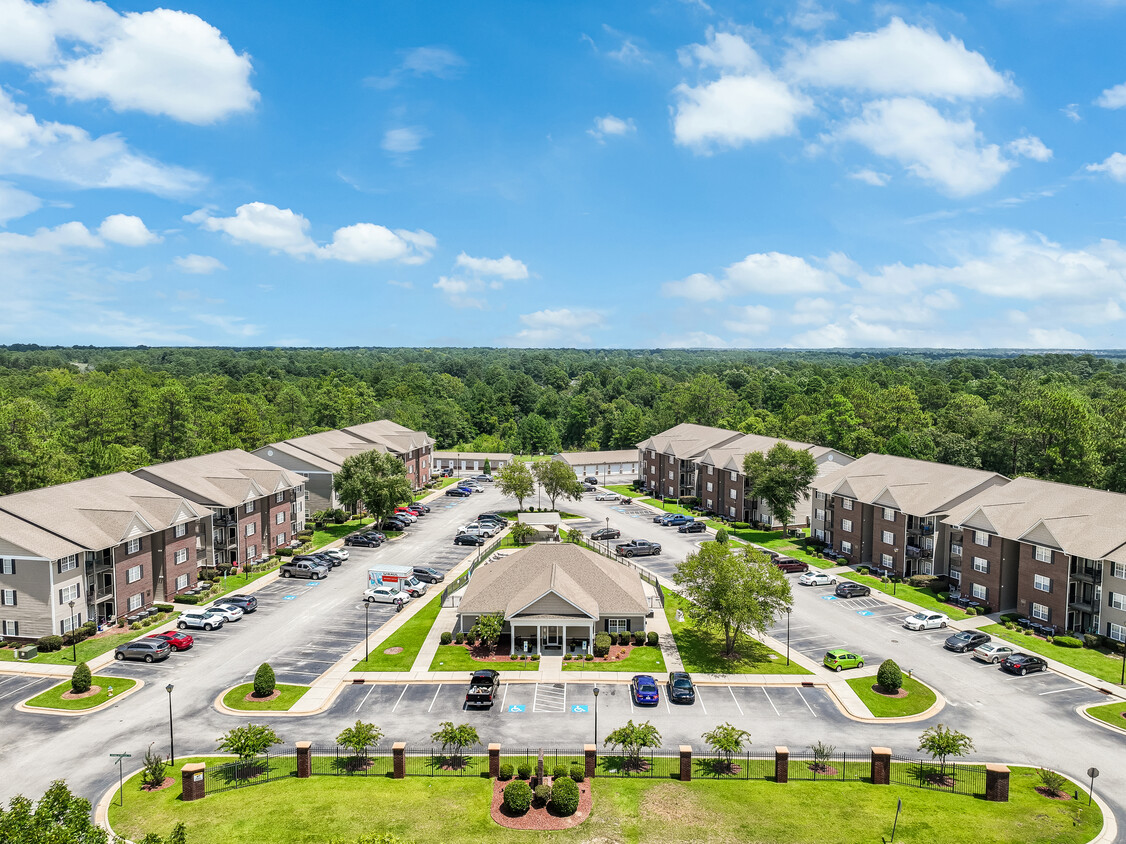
483	687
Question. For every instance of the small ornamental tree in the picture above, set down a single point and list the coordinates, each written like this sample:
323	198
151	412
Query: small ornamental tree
81	680
264	681
632	739
822	754
455	738
721	536
359	738
152	774
1052	782
488	628
728	740
522	533
940	742
889	677
487	467
249	741
575	535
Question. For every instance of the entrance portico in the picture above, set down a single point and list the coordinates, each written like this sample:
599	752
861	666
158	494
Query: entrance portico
552	635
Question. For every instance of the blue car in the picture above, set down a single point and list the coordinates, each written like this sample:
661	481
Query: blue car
644	690
677	520
459	492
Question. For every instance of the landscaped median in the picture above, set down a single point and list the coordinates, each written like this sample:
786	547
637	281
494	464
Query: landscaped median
1110	713
282	699
913	698
1102	664
88	649
458	658
102	690
399	650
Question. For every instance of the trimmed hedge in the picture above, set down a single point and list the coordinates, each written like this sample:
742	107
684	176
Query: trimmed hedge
1067	642
81	680
447	637
651	638
889	677
543	794
565	796
601	644
49	643
264	681
559	771
578	773
505	772
524	771
518	797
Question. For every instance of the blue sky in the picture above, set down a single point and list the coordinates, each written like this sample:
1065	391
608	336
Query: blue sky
671	173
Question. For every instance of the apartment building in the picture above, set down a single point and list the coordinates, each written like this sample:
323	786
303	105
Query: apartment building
889	511
468	462
601	464
1053	552
97	549
668	459
255	506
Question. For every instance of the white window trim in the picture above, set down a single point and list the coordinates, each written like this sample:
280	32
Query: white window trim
1041	583
617	625
1041	612
249	507
978	536
887	560
182	582
1118	600
1037	550
889	514
846	503
846	547
133	546
846	525
981	565
134	570
1117	632
984	592
180	530
181	556
888	537
250	529
1119	571
135	602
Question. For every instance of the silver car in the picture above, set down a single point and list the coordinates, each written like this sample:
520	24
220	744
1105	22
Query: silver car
336	553
993	652
228	612
385	595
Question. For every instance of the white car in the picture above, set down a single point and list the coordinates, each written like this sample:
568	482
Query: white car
229	612
406	514
992	652
816	578
607	496
200	619
478	529
385	595
926	621
336	554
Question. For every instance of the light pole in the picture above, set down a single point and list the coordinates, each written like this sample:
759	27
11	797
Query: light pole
73	635
367	607
171	734
596	717
787	637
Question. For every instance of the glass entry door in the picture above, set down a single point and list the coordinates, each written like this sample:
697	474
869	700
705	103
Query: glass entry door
553	637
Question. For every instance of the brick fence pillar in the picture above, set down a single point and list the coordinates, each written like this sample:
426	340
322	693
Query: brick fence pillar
686	763
997	783
494	760
881	766
399	758
590	754
304	760
192	782
781	764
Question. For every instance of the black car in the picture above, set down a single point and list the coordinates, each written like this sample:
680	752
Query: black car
468	539
967	640
495	516
681	689
1023	663
362	541
246	603
606	533
848	589
589	487
376	535
395	523
428	575
323	559
590	479
458	492
418	504
692	527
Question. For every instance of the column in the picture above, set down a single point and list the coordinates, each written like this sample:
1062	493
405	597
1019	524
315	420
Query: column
997	783
781	764
881	766
539	634
192	786
590	758
304	760
399	759
494	760
685	763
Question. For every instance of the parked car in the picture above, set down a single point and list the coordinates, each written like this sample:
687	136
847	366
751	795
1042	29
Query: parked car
483	479
178	641
589	487
644	690
395	523
839	659
791	565
967	640
404	513
303	568
638	548
681	689
1023	663
492	521
319	558
200	619
425	507
473	488
375	534
362	541
816	578
472	483
246	603
458	492
229	612
606	533
926	621
385	595
147	650
468	539
495	516
428	575
590	479
677	520
848	589
479	529
692	527
993	652
660	517
336	554
483	686
606	496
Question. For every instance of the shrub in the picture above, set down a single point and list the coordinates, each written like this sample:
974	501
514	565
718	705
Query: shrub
284	552
860	569
518	797
944	596
152	775
514	657
264	681
543	794
505	772
639	637
565	796
578	773
1090	640
159	607
842	561
1027	632
590	657
741	526
49	644
459	639
80	681
721	536
535	657
1053	782
136	625
889	676
524	771
651	637
566	657
601	644
1010	616
1067	642
447	637
559	771
613	638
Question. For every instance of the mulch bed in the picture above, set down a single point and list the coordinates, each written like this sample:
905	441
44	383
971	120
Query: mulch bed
72	696
946	781
878	689
500	654
1052	795
167	782
393	650
250	698
823	770
539	818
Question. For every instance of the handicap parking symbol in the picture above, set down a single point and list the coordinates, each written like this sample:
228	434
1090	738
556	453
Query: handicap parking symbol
863	612
828	597
516	707
579	707
313	583
289	597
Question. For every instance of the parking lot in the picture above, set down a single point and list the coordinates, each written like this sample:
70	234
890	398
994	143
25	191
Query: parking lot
14	688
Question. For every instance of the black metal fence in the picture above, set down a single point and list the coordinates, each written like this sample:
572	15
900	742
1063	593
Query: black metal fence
256	770
738	766
342	762
955	777
655	764
807	765
552	758
434	762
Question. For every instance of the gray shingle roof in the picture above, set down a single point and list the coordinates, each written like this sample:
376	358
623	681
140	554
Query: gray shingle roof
327	450
686	440
223	479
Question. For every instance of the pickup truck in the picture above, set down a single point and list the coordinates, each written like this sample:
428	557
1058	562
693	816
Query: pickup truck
303	568
483	687
637	548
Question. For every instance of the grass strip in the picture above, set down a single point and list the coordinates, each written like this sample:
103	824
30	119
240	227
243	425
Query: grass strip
919	698
410	637
236	698
53	697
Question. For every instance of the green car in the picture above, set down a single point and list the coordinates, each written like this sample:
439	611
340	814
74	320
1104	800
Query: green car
839	658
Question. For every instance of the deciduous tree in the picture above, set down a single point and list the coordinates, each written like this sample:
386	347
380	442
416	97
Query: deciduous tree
558	481
781	477
516	480
251	740
941	742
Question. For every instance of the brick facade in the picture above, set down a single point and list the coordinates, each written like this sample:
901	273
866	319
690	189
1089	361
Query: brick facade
123	561
853	535
1057	573
167	565
258	538
991	578
272	509
897	548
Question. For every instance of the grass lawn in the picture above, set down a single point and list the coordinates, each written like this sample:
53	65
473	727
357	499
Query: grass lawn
1105	666
1110	713
289	696
668	507
331	533
531	458
457	658
925	598
409	637
625	489
919	698
89	648
701	651
775	541
53	697
641	660
237	583
455	810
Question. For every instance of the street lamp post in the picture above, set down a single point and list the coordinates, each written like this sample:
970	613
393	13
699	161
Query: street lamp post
787	637
171	733
73	635
596	717
367	607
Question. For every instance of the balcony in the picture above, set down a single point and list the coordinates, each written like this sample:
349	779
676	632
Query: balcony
1087	573
1085	604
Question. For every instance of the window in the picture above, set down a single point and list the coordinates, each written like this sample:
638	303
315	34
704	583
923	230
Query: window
734	476
12	628
8	597
709	470
180	530
133	546
819	515
846	525
617	625
72	623
981	564
251	551
133	574
1041	583
889	514
955	575
68	563
181	582
846	503
731	512
135	602
68	593
886	561
819	495
709	503
249	507
1040	612
981	538
670	476
709	486
7	566
928	543
250	529
981	593
279	539
279	518
1118	600
1119	571
1043	555
846	548
888	537
279	498
1113	631
955	549
734	494
181	556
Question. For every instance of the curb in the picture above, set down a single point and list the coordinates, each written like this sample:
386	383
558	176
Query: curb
73	713
223	709
936	707
1082	711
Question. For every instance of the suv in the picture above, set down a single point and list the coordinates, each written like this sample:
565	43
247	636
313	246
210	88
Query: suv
206	620
428	575
246	603
149	650
362	541
848	589
495	516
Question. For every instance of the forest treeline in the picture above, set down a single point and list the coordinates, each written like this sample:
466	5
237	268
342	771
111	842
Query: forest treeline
68	413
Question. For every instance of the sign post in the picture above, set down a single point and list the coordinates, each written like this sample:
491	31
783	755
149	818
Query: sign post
121	757
1092	773
898	808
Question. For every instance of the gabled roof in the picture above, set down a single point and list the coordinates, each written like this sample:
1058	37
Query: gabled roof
584	458
397	438
327	450
224	479
472	455
591	583
687	441
728	457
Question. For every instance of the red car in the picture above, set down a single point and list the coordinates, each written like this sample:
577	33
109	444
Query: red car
179	641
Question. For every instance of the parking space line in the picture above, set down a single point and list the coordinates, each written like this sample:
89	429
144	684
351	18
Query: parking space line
504	697
365	700
806	702
431	706
18	689
700	698
1056	691
403	692
772	706
737	706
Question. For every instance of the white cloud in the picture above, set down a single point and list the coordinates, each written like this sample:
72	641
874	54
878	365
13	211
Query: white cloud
769	273
1113	97
438	62
507	268
15	203
870	177
812	310
611	125
1114	166
749	319
691	340
1029	147
455	290
810	16
234	325
947	153
126	230
262	224
63	153
198	264
49	241
1056	338
403	140
724	51
367	243
558	325
1071	112
901	59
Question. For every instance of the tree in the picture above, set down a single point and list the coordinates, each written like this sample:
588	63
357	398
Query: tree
489	628
487	467
58	818
721	536
81	680
633	738
516	480
377	479
575	535
152	772
941	742
455	737
359	738
728	740
179	836
264	681
781	478
889	677
733	588
822	755
522	533
558	480
249	741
